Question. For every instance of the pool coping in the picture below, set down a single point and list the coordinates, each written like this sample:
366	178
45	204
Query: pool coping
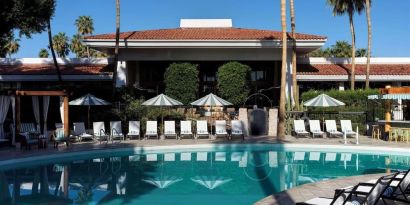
359	149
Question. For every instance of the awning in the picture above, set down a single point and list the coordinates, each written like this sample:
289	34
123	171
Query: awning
389	97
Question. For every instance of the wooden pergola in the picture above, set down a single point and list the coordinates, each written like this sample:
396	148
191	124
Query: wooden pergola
62	93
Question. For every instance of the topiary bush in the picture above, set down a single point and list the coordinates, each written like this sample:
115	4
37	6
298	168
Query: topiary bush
233	79
181	81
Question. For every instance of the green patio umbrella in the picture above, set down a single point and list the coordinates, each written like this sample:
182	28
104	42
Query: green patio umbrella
89	100
323	100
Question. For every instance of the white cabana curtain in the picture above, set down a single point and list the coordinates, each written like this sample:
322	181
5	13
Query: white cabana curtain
62	110
13	106
36	110
46	103
4	107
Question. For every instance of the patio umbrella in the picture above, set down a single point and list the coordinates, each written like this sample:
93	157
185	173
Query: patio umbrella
210	182
323	100
212	101
162	100
88	100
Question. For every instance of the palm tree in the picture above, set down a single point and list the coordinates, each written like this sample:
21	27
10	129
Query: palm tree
282	103
117	43
350	7
12	46
369	41
294	63
43	53
51	46
85	26
77	47
61	44
361	52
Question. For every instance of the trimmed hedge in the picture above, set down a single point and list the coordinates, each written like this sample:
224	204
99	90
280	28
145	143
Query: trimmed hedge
181	81
233	79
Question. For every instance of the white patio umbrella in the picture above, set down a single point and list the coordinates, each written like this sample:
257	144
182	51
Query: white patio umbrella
88	100
212	101
162	100
323	100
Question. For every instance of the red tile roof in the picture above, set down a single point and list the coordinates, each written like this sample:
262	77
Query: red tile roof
205	34
344	69
48	69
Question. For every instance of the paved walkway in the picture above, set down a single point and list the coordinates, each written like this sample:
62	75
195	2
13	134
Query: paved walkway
7	153
318	189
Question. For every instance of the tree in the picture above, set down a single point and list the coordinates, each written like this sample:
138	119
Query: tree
369	40
28	17
12	46
282	100
233	79
294	63
43	53
349	7
361	52
85	26
77	47
181	81
61	45
53	54
117	43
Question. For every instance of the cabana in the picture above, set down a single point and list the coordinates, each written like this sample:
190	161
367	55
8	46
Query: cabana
14	98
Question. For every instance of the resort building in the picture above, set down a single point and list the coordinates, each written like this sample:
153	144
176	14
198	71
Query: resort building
144	56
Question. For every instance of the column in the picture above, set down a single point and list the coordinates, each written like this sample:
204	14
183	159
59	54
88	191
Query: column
66	118
273	123
243	117
289	78
121	74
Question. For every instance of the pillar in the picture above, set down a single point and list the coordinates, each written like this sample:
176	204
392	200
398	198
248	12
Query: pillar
387	116
273	122
243	117
66	117
121	74
289	78
18	120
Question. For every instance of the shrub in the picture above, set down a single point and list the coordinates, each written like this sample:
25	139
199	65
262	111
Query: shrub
233	78
181	81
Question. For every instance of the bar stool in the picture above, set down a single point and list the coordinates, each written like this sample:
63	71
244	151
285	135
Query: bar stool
393	134
376	132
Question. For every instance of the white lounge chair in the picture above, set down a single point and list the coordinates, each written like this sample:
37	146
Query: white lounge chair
237	129
151	129
116	131
201	129
347	127
99	132
134	129
169	129
299	126
186	129
331	128
80	132
220	128
314	126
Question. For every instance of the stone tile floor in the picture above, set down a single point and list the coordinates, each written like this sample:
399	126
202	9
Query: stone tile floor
289	197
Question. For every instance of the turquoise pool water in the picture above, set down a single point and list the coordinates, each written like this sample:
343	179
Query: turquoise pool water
189	176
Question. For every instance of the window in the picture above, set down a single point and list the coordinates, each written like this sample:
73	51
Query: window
258	75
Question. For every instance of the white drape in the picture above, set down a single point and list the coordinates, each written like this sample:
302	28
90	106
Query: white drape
46	103
62	109
36	110
4	107
13	106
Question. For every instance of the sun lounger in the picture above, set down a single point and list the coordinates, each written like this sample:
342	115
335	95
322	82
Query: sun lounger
80	132
314	126
237	129
99	132
151	129
299	126
169	129
220	128
362	193
201	129
134	129
331	128
398	190
186	129
347	127
116	131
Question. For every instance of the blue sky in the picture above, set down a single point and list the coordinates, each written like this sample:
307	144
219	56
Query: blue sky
390	20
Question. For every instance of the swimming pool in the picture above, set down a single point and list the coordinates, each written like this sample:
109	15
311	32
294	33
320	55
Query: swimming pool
206	174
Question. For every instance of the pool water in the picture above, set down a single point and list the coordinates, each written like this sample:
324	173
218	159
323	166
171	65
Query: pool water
186	177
